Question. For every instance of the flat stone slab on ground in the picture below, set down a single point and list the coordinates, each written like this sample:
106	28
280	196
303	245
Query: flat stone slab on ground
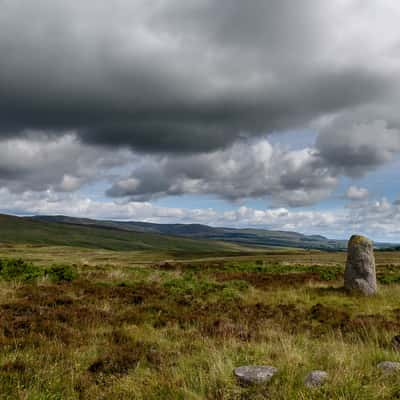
316	378
389	366
253	374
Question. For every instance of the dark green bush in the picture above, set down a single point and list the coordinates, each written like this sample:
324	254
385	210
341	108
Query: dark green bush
17	269
60	273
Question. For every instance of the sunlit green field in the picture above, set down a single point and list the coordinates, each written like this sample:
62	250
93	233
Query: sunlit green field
98	324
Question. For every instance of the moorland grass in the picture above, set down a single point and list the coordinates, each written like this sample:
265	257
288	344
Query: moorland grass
177	330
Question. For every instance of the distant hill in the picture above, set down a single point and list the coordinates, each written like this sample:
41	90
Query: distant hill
48	231
247	237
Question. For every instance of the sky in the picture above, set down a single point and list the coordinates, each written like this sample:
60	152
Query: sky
262	113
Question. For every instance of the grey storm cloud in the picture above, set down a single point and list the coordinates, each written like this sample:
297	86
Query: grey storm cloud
357	147
172	76
192	89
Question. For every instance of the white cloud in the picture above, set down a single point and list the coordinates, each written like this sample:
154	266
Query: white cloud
246	169
379	220
70	183
357	193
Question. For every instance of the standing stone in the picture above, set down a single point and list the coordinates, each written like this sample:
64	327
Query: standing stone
360	272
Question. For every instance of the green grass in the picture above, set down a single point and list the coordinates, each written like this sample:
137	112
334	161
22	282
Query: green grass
176	330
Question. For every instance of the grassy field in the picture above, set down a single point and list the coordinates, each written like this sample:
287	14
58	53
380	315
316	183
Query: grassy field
99	324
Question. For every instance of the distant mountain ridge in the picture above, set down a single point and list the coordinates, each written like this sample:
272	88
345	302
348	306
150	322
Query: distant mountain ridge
247	237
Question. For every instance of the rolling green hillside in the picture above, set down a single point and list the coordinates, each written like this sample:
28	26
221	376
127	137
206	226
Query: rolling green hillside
31	231
246	237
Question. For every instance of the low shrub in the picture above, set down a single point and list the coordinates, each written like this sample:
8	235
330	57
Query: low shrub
331	274
388	279
60	273
18	269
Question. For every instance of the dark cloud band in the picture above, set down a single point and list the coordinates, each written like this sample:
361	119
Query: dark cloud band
173	77
192	84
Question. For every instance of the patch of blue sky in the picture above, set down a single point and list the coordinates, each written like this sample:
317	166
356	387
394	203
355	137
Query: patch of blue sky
381	182
384	181
195	202
95	190
293	140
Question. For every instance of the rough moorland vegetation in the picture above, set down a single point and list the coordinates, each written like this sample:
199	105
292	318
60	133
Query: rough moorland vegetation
177	330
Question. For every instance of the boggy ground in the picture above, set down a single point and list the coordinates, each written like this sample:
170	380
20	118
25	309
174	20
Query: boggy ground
176	330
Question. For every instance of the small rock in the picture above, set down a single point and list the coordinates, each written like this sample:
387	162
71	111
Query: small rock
253	374
389	367
360	275
316	378
396	342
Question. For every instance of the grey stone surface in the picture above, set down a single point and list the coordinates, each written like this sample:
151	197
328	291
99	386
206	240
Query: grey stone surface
360	275
389	367
254	374
316	378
